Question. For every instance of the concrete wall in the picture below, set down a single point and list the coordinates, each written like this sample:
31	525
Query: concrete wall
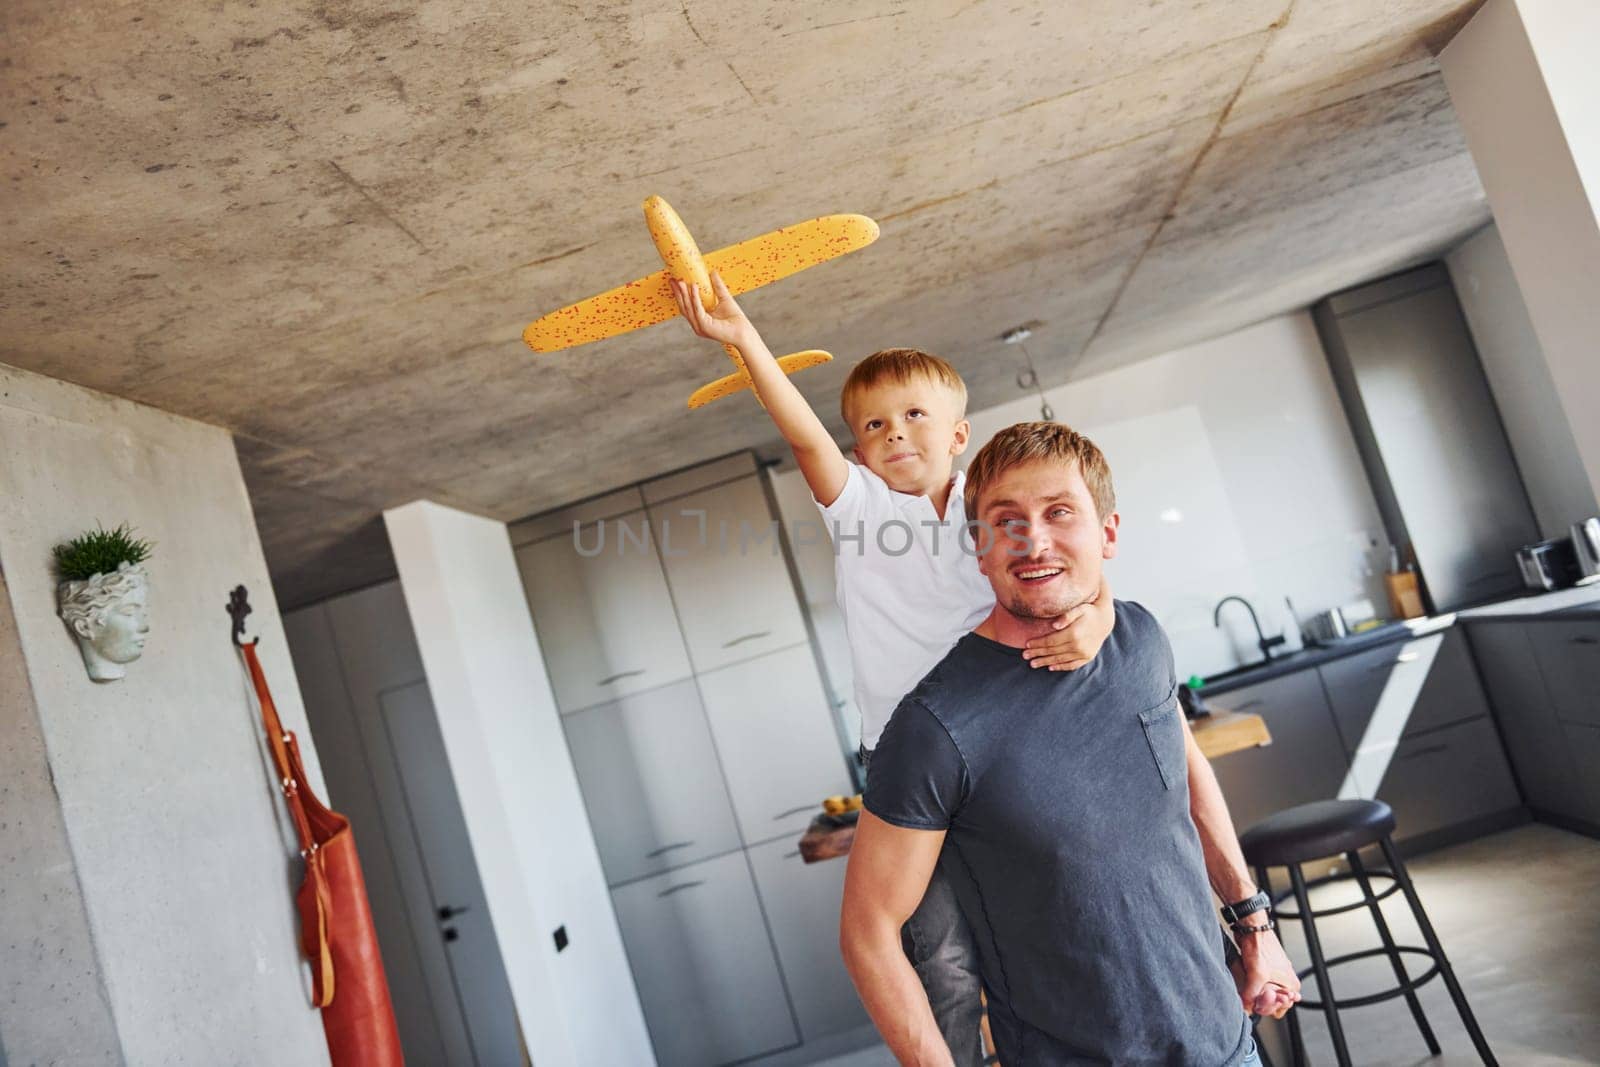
1523	82
145	873
1235	473
1541	438
530	833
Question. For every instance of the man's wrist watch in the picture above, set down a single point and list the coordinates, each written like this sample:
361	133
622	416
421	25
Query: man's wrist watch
1233	913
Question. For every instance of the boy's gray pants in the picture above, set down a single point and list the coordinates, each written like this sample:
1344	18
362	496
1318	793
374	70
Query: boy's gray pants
939	944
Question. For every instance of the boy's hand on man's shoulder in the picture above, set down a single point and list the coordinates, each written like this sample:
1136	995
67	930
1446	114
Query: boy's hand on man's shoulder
1077	637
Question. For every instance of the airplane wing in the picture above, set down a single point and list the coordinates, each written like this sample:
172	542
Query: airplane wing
778	254
739	381
640	303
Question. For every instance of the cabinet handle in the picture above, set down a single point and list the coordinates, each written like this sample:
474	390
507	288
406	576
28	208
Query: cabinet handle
1247	704
791	855
619	676
664	849
792	811
1404	657
746	637
1586	639
1428	751
678	888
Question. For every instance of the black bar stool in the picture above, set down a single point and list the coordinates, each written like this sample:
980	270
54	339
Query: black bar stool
1327	828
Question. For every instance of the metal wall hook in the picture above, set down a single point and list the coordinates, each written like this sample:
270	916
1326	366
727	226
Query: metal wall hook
238	608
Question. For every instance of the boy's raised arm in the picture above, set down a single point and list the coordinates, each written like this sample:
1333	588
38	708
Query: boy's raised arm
823	465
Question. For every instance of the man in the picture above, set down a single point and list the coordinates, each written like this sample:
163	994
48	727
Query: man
1082	822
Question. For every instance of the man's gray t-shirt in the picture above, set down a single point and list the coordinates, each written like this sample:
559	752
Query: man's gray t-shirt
1070	845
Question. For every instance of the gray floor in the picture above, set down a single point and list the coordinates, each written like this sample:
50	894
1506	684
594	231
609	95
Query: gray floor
1519	915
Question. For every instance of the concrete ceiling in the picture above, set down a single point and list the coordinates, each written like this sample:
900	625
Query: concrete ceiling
323	226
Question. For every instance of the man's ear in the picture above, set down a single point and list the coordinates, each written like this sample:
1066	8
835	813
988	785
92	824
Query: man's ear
963	434
1109	534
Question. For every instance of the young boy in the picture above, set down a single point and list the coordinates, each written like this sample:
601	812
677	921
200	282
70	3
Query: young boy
907	585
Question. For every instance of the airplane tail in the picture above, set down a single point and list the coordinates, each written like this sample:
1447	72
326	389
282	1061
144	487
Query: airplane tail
740	380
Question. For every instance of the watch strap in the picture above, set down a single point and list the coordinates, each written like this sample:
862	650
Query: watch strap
1232	913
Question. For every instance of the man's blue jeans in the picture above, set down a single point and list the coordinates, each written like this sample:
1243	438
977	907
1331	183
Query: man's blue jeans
938	942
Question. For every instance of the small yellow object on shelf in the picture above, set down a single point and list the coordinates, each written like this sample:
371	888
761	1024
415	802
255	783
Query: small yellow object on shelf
841	805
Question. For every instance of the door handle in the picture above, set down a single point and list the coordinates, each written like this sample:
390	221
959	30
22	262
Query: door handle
447	912
679	888
792	811
1586	639
619	676
664	849
1404	657
742	638
1247	704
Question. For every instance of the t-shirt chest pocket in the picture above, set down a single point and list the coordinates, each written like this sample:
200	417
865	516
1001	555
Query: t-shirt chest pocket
1163	733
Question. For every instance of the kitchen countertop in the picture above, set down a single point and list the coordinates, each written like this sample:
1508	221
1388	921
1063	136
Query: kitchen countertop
1580	602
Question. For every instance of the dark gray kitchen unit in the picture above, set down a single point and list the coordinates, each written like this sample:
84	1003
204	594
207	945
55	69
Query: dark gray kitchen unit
1543	678
1406	722
1305	761
1429	434
1416	726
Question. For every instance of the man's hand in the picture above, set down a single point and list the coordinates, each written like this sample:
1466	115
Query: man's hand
726	325
1078	635
1265	978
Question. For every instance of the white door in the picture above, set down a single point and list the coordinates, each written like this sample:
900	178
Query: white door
455	910
603	613
728	575
774	731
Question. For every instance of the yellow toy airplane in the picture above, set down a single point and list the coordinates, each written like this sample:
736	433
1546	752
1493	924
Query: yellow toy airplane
744	266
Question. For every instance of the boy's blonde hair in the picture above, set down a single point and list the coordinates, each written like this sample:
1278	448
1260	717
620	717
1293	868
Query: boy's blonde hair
900	365
1028	442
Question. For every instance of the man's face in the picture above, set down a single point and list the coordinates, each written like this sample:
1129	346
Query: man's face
907	432
1041	544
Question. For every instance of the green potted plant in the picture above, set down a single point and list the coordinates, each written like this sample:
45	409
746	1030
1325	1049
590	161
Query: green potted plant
101	595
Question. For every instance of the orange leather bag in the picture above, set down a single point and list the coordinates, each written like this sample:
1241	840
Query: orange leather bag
336	931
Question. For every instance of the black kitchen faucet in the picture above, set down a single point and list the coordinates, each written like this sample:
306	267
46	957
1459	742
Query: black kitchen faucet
1265	643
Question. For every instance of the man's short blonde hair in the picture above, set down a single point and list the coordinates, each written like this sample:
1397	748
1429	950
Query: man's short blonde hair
1030	442
900	365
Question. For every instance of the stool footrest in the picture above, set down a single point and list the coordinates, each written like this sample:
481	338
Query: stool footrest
1374	998
1287	894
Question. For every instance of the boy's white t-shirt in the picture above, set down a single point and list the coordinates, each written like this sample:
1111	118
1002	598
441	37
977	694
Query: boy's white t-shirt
907	583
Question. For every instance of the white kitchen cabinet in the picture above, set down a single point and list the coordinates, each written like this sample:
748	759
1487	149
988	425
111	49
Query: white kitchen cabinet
725	565
802	904
603	612
650	782
775	735
703	964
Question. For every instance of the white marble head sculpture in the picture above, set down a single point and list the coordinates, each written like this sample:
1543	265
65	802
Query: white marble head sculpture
107	615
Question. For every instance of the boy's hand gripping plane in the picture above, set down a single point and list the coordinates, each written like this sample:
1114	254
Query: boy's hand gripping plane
744	266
